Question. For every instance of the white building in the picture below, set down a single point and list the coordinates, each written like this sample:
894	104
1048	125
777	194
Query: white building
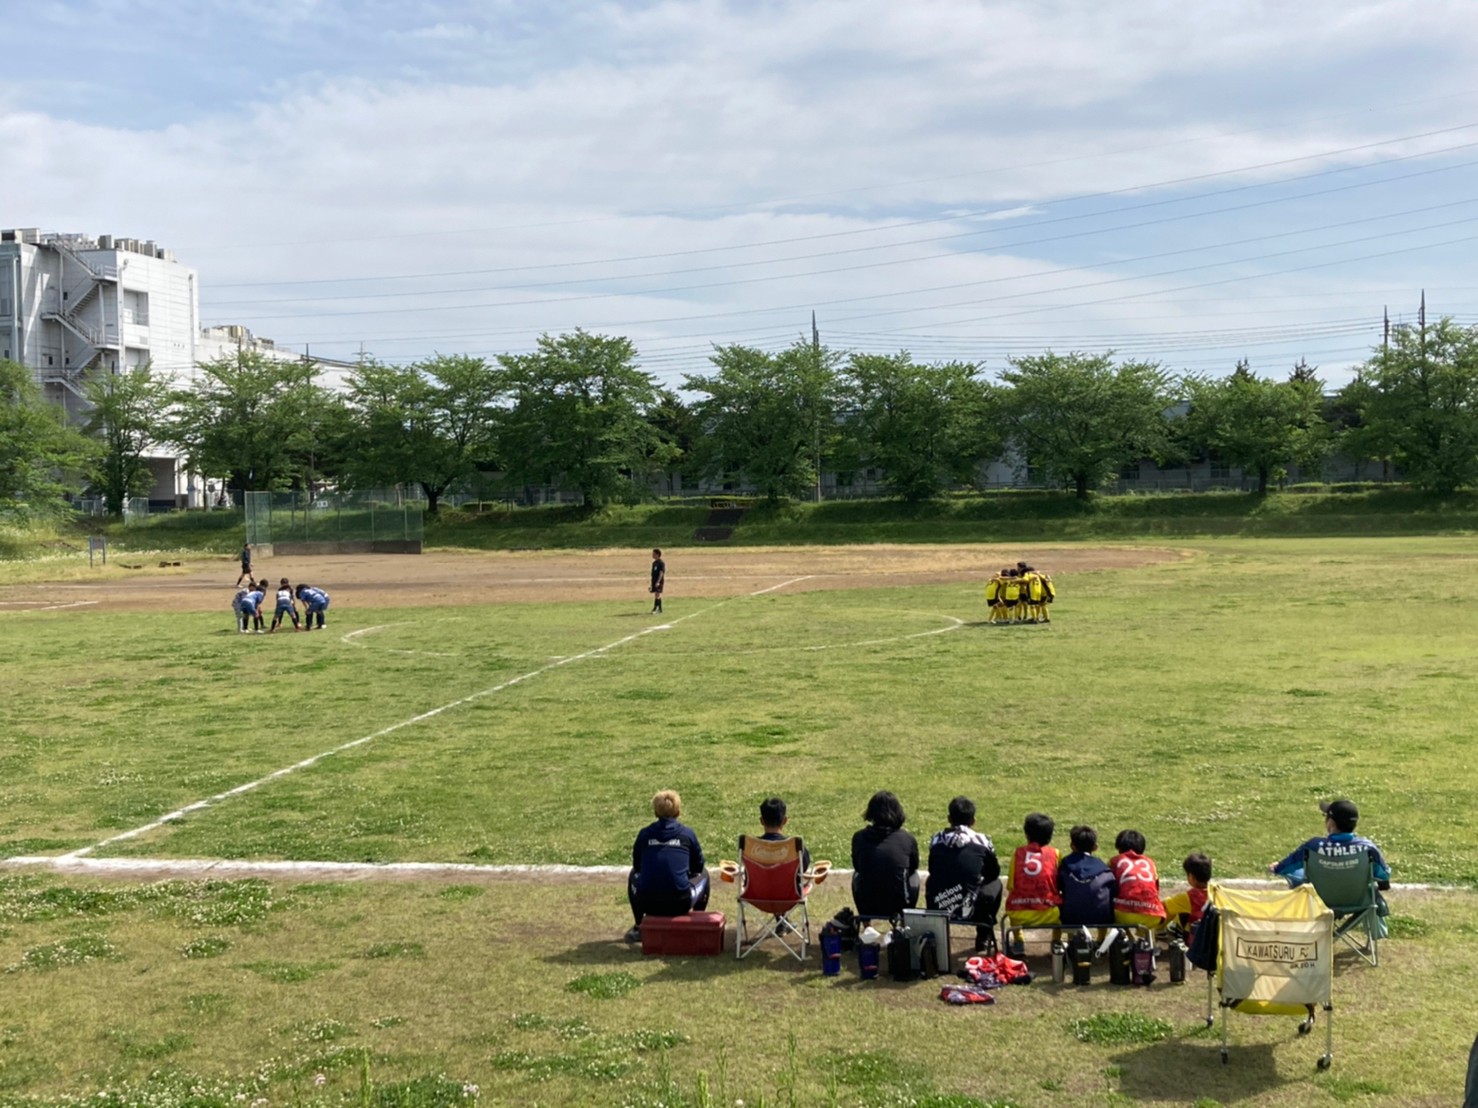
72	307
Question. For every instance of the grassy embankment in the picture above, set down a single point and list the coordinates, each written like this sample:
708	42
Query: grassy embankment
1001	516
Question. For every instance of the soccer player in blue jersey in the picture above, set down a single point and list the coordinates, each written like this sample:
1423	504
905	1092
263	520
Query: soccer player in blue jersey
286	606
249	607
316	602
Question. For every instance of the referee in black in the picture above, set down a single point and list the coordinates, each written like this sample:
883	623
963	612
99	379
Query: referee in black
659	578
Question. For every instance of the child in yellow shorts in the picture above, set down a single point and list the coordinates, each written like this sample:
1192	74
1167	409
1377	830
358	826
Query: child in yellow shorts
1032	896
1137	902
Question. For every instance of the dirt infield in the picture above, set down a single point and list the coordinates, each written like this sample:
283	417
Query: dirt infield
454	578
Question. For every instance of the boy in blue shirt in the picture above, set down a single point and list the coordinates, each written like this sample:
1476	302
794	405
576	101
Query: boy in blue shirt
315	601
1339	838
286	606
249	607
1086	882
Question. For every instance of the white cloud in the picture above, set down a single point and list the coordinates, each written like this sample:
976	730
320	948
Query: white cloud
614	131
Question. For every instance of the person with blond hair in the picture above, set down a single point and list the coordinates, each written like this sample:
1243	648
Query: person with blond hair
668	877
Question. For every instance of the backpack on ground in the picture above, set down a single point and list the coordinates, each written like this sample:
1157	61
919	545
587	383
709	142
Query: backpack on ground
1206	942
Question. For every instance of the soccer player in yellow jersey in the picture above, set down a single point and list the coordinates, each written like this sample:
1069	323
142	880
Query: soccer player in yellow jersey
993	598
1011	597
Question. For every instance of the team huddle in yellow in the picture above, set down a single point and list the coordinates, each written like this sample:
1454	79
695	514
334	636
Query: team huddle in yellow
1019	595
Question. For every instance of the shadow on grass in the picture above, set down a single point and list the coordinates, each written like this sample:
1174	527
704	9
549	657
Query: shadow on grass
1168	1071
697	968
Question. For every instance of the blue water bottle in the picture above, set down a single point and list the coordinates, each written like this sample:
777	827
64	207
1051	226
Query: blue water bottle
831	951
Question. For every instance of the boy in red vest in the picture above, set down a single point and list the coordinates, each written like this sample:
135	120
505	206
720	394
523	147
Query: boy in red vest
1032	897
1137	902
1187	908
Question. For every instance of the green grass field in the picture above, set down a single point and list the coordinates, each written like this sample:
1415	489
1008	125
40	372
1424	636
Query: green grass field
1208	702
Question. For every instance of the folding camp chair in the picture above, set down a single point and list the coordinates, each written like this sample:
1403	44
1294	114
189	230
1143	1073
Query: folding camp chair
773	887
1275	958
1346	883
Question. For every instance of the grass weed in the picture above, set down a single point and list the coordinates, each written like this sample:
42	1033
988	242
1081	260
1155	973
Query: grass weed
517	1031
1209	703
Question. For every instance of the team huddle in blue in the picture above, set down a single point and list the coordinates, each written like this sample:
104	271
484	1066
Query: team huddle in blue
248	602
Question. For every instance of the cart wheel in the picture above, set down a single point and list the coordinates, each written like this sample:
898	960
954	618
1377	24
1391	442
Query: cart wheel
1225	1057
1210	1021
1324	1062
1305	1027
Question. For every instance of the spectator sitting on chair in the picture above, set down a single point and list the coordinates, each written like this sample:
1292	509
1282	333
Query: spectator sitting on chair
667	874
773	819
964	873
1086	882
1184	910
885	861
1339	838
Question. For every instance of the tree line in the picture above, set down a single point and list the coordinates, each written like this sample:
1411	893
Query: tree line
580	414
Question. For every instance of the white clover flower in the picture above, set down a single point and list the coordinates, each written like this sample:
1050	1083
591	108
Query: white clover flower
319	1079
469	1089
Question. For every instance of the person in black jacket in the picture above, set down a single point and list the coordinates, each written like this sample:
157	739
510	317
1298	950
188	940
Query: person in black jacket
885	861
667	873
964	873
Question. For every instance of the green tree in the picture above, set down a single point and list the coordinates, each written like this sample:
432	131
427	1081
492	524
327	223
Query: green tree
248	417
677	424
923	424
581	418
129	414
1081	419
36	447
1260	426
1418	401
433	423
769	418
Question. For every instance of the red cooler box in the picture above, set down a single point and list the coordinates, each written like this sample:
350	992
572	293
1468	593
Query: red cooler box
695	933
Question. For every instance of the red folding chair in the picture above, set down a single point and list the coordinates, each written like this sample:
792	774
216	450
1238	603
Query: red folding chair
773	887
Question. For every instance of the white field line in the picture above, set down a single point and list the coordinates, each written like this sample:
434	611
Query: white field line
213	867
180	813
49	607
352	638
953	625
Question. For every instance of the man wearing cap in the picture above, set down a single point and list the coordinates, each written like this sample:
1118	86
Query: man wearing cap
1340	818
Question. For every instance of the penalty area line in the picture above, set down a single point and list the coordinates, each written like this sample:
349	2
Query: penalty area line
249	786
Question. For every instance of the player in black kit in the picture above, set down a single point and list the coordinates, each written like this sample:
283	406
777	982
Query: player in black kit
659	578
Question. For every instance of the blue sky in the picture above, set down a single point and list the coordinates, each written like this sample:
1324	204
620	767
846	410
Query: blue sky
1185	183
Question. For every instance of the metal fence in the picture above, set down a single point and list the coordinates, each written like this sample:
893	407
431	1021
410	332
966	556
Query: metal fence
375	514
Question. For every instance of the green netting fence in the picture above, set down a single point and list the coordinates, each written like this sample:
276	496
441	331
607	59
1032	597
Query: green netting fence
375	514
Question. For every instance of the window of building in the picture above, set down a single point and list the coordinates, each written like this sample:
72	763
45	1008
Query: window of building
136	307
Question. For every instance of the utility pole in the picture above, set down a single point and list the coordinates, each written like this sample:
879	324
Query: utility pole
816	417
1385	339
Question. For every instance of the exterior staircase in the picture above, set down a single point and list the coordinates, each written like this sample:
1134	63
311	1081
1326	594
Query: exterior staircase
723	518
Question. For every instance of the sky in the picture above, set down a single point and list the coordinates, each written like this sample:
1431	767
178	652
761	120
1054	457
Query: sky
1183	183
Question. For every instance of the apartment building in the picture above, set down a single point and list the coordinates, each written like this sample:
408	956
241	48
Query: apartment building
73	307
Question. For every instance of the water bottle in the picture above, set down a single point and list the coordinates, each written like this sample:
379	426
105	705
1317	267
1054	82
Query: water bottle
1177	963
1080	952
831	951
1120	957
1059	963
869	953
